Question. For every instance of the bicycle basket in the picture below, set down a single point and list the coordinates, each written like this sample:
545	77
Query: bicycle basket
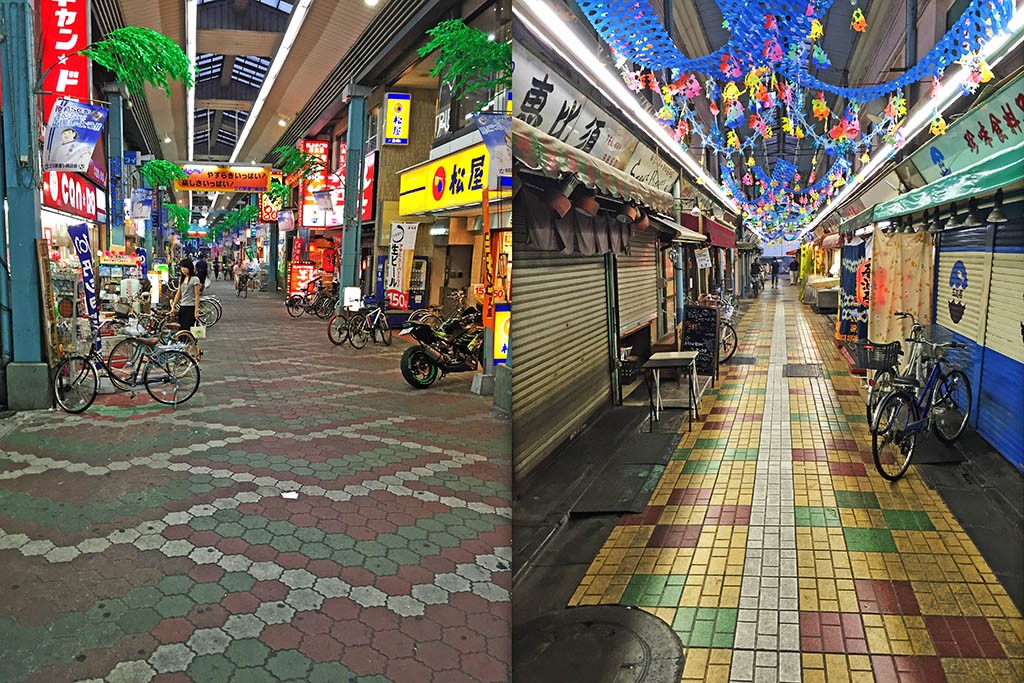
872	356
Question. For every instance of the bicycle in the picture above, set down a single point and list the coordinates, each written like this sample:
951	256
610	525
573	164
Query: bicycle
297	304
242	286
728	340
884	359
943	405
209	311
169	375
366	324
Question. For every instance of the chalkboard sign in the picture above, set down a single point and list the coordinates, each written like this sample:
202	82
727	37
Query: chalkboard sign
700	334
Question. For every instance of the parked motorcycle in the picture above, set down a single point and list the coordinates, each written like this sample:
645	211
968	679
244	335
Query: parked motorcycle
455	346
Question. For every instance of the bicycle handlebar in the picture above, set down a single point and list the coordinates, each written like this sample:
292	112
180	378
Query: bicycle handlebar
938	345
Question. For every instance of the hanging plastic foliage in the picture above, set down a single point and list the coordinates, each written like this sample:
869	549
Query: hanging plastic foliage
297	164
279	194
180	217
468	59
138	56
158	172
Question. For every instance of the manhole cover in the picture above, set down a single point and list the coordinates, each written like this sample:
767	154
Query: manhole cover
802	370
597	643
743	360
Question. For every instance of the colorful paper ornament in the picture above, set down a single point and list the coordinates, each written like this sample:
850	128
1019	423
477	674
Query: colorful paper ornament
938	126
859	23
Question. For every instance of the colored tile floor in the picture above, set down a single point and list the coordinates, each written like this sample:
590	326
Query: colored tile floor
138	543
777	553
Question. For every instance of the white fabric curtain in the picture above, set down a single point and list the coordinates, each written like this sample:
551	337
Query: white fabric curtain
902	272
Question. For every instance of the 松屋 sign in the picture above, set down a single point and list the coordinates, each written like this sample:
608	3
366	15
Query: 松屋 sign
398	264
396	118
454	180
63	29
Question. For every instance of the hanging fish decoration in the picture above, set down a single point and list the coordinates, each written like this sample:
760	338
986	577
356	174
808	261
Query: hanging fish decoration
817	30
819	108
819	58
692	87
938	126
859	23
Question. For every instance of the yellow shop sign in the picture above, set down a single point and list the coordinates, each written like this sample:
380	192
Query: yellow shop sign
454	180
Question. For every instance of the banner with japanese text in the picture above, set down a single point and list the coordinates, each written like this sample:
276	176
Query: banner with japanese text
80	240
398	265
72	132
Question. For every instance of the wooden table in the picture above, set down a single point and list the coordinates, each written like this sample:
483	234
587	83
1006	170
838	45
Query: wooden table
684	361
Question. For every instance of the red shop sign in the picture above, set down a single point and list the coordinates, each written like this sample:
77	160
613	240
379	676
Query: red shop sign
863	293
70	192
63	29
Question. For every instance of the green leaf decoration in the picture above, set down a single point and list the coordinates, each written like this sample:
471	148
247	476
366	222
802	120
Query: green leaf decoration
180	217
279	194
239	218
159	172
138	56
296	163
468	59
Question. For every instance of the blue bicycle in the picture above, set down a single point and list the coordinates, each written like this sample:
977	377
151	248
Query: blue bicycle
942	405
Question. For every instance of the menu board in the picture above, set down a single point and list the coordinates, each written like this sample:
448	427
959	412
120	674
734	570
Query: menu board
700	334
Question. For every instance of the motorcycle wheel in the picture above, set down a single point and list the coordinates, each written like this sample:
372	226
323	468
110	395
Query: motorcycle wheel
417	368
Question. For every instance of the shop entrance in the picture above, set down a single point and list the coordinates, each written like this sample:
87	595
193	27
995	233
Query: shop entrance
459	267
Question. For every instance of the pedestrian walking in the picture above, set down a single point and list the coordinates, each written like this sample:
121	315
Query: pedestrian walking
775	273
216	270
187	296
202	271
794	269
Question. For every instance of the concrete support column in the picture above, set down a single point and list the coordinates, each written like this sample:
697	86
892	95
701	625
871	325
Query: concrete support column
27	376
356	139
272	246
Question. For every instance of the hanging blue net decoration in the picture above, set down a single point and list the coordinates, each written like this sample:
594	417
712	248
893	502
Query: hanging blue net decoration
757	88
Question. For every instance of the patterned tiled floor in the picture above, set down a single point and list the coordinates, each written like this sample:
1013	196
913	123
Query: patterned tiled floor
307	516
777	553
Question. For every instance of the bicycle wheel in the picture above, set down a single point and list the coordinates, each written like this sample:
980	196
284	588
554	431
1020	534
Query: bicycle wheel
384	328
296	305
951	406
124	361
75	384
879	387
358	331
171	377
206	313
894	435
325	308
729	343
192	347
337	329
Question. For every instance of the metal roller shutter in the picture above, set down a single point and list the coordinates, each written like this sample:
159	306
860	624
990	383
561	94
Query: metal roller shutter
561	372
637	281
1001	399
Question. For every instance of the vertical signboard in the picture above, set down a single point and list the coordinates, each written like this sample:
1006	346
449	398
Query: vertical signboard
63	29
309	215
267	208
396	118
398	265
79	235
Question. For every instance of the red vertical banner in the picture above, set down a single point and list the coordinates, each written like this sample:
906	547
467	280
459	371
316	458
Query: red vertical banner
63	30
309	215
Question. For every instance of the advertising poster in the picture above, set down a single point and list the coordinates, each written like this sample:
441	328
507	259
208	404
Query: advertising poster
398	265
80	239
703	257
71	135
142	204
496	131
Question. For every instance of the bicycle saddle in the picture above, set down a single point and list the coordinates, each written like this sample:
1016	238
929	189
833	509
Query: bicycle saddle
907	382
172	326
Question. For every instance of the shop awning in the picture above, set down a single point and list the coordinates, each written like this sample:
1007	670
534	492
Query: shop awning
832	240
749	246
984	177
683	234
859	221
720	235
550	156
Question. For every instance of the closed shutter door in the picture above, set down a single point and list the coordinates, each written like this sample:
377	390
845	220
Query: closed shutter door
964	268
637	281
560	361
1001	399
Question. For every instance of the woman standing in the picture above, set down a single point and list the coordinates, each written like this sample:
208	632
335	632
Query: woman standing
187	296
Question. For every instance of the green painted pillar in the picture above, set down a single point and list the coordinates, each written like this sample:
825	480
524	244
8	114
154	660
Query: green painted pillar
356	139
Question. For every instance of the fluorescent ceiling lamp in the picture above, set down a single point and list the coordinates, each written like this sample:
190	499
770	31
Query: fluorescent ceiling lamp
191	10
299	13
993	52
542	21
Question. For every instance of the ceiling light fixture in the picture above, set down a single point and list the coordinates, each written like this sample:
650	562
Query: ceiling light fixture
994	51
542	21
167	139
191	19
371	3
282	122
299	13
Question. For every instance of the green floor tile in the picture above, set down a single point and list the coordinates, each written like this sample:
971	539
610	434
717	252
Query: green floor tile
857	499
817	516
740	454
701	466
869	540
654	590
908	520
682	454
705	626
711	443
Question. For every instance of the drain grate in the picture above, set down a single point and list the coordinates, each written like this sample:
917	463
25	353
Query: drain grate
802	370
743	360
